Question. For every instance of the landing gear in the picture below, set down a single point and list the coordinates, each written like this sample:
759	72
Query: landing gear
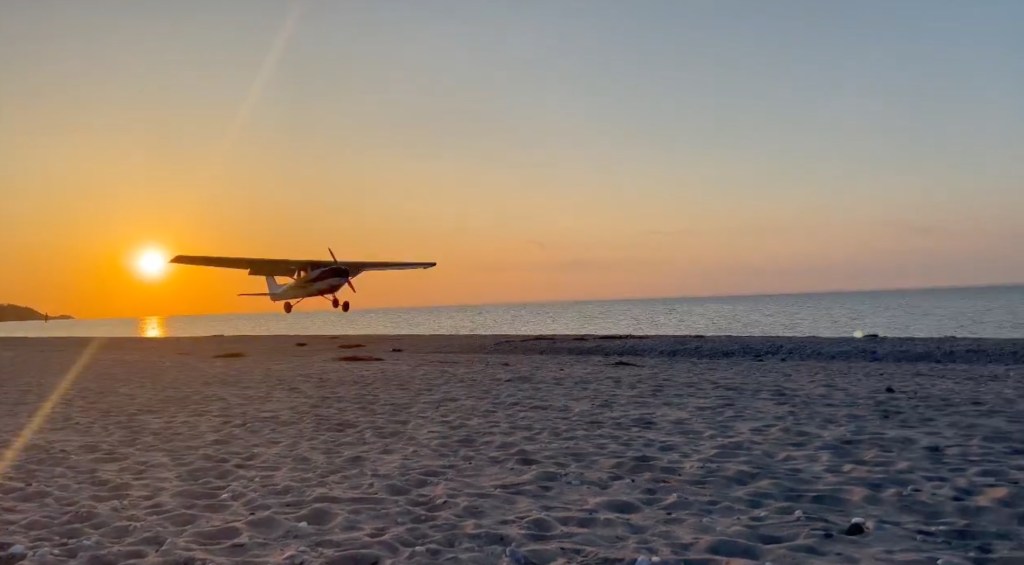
336	303
287	307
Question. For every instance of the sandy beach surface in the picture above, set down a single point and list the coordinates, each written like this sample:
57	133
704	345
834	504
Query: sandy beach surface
610	449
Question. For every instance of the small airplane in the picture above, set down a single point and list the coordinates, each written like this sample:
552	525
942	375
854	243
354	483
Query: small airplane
309	277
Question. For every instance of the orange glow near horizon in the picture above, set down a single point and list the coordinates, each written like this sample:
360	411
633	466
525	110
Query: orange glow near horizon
597	253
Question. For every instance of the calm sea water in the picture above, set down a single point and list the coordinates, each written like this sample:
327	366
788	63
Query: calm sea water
976	312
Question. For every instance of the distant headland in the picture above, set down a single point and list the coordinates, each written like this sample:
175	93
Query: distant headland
15	313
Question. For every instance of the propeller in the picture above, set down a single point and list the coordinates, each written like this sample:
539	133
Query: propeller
348	280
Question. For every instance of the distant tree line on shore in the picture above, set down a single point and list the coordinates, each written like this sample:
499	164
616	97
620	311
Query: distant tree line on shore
15	313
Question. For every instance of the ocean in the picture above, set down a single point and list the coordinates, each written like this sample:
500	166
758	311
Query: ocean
962	312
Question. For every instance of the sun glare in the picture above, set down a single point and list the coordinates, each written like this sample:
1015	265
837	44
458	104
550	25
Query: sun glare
151	264
152	326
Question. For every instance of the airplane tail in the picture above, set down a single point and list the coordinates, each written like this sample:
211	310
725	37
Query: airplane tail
272	285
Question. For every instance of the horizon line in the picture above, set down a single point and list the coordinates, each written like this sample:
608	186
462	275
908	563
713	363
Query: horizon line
620	299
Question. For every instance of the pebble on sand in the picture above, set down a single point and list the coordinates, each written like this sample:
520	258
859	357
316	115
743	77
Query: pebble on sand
890	390
857	527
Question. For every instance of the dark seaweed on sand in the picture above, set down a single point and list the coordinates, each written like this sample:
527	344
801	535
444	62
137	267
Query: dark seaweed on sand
229	355
359	358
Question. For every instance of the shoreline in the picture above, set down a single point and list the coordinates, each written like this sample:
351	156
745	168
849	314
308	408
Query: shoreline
871	349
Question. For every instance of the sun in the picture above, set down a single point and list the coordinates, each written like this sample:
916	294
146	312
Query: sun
151	264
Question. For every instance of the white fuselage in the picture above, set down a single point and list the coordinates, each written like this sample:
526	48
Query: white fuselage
321	282
294	290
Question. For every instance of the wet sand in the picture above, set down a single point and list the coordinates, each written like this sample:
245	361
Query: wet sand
595	449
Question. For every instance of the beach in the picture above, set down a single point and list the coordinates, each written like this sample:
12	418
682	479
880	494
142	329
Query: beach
497	449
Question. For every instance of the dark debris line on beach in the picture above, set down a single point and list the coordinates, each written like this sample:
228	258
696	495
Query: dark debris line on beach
965	351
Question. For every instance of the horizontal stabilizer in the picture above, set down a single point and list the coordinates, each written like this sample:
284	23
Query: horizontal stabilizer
254	294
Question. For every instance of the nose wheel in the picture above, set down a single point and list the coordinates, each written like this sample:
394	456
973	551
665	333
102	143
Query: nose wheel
335	303
287	307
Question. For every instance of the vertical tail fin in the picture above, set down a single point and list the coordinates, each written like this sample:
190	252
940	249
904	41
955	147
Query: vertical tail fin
272	285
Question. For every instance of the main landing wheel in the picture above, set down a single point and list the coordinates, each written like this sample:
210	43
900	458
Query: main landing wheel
335	303
287	307
345	306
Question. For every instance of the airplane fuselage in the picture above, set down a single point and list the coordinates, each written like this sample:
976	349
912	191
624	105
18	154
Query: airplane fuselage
320	282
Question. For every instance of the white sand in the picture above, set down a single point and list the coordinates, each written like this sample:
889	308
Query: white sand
711	451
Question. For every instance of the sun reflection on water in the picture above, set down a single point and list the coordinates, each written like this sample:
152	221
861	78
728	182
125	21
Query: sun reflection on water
152	326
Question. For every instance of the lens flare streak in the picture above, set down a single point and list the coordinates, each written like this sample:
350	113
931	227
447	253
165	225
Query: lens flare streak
43	412
266	71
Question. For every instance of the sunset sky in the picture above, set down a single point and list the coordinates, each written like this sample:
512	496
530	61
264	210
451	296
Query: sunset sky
537	150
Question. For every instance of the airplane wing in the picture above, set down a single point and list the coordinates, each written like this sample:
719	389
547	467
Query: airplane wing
288	267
